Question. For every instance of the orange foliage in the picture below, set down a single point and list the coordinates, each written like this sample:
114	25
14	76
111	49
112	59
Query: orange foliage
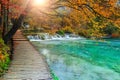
2	57
115	35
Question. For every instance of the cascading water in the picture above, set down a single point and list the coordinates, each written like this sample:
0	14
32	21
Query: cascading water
46	36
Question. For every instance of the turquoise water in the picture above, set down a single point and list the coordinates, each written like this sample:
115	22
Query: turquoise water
83	59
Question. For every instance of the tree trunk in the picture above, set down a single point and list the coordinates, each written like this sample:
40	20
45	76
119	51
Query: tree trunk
16	24
13	30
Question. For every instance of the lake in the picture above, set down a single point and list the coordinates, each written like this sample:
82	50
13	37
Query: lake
82	59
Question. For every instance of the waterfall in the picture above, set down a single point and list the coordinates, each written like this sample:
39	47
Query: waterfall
46	36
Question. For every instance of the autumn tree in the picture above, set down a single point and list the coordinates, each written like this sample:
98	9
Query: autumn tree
96	14
89	15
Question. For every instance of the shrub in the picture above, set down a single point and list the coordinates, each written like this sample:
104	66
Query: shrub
115	35
4	57
84	32
61	32
110	28
67	29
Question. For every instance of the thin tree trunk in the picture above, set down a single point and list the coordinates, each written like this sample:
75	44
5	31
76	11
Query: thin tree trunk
16	24
4	17
13	30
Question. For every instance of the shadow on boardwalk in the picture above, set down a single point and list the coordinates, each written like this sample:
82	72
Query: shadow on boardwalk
27	63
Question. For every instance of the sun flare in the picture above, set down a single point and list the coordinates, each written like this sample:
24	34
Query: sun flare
40	2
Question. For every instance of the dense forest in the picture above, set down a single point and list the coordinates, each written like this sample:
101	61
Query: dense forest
89	18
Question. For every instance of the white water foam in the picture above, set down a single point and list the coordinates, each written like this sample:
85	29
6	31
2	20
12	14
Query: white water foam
53	37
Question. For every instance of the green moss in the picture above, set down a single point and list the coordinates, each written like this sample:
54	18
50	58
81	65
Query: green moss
54	77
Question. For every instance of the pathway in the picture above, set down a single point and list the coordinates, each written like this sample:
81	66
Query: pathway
27	63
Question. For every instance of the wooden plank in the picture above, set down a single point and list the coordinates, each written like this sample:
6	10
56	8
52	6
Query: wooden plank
28	63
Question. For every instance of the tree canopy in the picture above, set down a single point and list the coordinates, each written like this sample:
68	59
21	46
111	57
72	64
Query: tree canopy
84	17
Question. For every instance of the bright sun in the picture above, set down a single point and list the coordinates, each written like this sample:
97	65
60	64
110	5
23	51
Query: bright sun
40	2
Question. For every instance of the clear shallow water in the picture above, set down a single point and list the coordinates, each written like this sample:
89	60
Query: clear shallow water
82	59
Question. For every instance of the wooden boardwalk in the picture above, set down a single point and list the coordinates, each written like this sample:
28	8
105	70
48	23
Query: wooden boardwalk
27	63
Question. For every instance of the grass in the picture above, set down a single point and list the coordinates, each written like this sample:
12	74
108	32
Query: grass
54	77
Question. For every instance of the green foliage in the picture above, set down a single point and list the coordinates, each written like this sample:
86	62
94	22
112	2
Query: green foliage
53	75
98	19
42	37
4	57
67	29
61	32
110	28
84	32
